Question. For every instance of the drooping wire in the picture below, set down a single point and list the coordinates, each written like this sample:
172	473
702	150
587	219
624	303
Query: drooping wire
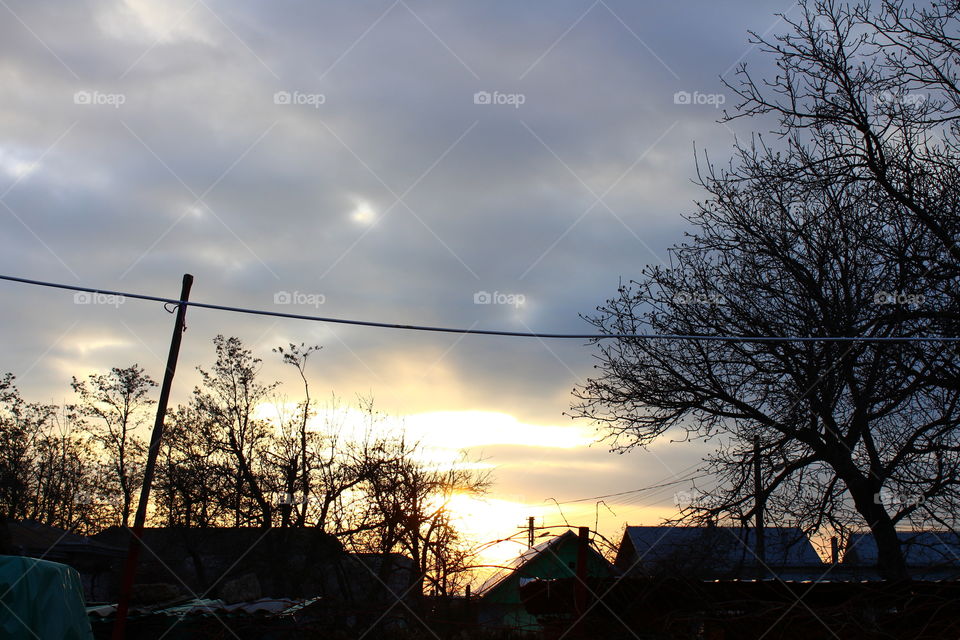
483	332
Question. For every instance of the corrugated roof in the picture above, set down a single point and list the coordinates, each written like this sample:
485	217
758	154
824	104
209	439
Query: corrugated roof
201	607
714	550
920	549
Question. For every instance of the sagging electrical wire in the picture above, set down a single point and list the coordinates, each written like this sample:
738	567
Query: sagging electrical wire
482	332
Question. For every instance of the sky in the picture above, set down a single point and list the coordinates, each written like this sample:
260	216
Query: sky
493	165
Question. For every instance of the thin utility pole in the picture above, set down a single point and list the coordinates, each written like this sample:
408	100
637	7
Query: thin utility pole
758	508
531	537
580	586
133	551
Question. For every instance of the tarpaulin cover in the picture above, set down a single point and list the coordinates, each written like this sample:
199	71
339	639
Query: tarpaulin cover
41	599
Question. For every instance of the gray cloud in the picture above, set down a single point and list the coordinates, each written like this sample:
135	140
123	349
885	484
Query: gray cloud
495	198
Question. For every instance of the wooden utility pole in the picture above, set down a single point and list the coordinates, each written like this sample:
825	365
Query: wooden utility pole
133	551
758	509
531	537
580	587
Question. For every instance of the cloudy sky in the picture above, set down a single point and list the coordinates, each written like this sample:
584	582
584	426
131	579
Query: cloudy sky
495	165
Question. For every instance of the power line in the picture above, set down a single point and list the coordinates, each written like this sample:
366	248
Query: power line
482	332
661	485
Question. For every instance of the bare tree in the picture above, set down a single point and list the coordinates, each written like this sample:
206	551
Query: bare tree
21	425
413	496
113	408
224	463
194	483
226	404
839	424
292	450
45	464
874	89
65	477
870	92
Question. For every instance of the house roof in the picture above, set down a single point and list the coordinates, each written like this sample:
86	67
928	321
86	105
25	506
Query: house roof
28	537
529	555
225	540
714	550
920	549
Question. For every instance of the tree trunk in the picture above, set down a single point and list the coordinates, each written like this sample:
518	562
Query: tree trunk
890	561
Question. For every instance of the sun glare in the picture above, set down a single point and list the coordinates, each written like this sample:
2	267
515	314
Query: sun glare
495	527
363	213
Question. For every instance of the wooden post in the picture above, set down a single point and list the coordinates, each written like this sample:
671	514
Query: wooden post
580	588
133	551
758	507
530	534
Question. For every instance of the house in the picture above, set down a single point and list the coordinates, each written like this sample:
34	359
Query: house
500	605
703	582
930	555
277	562
665	607
718	553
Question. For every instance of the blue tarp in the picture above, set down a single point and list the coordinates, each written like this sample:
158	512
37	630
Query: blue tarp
41	599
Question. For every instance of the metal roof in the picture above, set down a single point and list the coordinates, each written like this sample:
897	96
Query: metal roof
717	551
529	555
920	549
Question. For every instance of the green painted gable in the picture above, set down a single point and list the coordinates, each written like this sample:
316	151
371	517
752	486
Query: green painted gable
500	605
556	558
